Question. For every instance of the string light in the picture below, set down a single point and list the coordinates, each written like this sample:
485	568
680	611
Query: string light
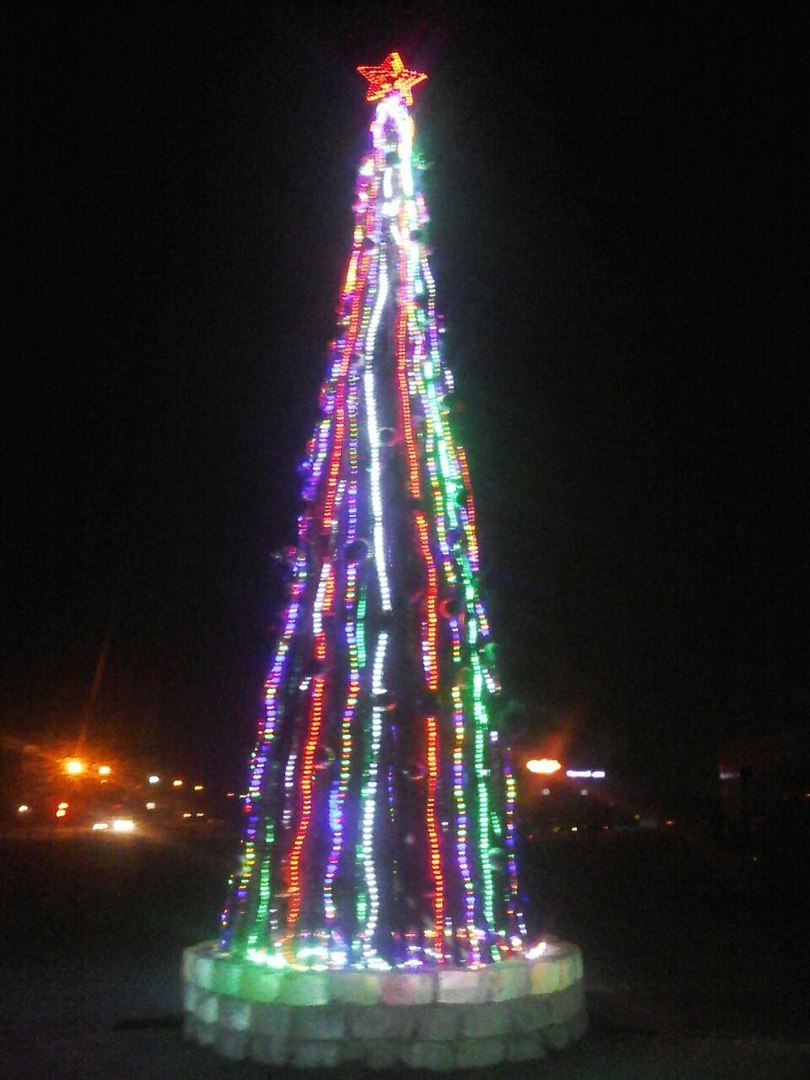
433	833
386	561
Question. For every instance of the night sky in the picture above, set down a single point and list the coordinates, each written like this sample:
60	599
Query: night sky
618	194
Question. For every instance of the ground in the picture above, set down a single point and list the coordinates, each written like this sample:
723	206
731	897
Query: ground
695	963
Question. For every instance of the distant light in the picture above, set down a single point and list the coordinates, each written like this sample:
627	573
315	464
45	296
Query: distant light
574	828
61	813
199	814
62	806
198	787
585	774
177	783
23	808
154	779
543	766
230	795
100	826
74	766
123	825
546	791
583	791
187	814
151	806
104	770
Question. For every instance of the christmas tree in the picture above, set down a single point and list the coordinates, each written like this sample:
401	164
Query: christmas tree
380	816
374	914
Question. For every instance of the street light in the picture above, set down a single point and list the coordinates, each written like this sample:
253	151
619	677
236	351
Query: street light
543	766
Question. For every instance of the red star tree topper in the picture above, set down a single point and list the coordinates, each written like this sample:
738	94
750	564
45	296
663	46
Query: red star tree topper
390	75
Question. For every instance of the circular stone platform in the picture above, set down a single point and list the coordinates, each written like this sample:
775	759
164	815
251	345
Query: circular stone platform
445	1018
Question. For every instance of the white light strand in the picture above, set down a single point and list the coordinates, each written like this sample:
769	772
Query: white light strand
374	443
370	799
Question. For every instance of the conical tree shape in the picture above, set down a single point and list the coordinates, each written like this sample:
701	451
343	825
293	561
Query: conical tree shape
380	823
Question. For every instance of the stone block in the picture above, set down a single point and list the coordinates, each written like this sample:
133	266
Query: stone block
269	1050
437	1023
568	969
382	1053
530	1013
190	1024
459	987
191	995
235	1014
486	1021
315	1055
479	1053
203	970
259	983
557	1036
352	1051
205	1033
579	969
312	1025
407	988
304	988
190	962
231	1044
355	987
544	975
273	1020
564	1005
207	1008
381	1022
436	1056
225	975
529	1046
579	1025
507	980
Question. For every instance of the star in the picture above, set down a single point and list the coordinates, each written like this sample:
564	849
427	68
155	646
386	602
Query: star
391	75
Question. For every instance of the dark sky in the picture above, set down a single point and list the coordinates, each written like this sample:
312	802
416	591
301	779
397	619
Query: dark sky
618	194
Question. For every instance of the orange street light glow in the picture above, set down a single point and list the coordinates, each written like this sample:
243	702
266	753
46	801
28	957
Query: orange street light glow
543	766
74	766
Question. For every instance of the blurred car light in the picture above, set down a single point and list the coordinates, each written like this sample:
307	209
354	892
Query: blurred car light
123	825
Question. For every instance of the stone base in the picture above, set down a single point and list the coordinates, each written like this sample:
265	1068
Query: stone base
445	1018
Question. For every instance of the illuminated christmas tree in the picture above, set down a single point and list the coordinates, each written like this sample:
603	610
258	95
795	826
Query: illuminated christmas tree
380	836
381	802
